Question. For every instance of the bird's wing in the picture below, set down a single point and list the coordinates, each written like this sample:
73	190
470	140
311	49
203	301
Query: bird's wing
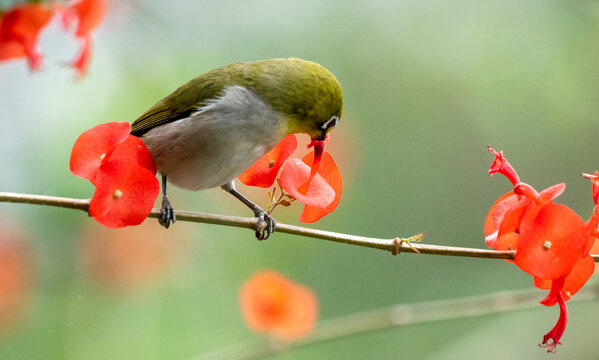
180	104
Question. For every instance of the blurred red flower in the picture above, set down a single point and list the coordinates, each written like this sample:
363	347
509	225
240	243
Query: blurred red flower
123	171
16	275
19	31
132	258
273	304
88	14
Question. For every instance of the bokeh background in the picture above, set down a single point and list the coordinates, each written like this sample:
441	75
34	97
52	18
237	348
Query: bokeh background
428	85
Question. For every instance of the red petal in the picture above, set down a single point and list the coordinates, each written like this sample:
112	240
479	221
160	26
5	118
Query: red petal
508	233
502	166
580	274
595	248
551	193
125	194
595	187
330	172
81	63
498	211
19	31
264	172
11	50
593	231
507	241
511	224
294	176
89	14
135	150
94	146
551	240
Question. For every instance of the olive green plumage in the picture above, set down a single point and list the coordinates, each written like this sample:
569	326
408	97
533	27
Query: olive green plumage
303	91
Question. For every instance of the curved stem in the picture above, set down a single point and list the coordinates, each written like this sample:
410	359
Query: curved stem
394	316
395	245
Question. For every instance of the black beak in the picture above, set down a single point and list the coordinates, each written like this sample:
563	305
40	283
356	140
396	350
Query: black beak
323	136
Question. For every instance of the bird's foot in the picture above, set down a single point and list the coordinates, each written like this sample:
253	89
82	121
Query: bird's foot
266	224
167	213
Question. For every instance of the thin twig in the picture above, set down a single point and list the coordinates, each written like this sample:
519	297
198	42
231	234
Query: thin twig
395	245
394	316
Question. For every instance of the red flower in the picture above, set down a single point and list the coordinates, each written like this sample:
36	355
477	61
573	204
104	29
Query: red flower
94	146
329	171
551	241
264	172
314	181
19	32
273	304
88	14
296	175
123	171
125	193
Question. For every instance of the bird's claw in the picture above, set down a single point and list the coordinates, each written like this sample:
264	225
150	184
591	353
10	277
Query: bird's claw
167	213
266	225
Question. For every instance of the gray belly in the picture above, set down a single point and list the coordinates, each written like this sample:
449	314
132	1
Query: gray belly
218	142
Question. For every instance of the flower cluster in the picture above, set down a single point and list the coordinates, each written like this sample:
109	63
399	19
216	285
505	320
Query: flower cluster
20	27
314	181
123	171
273	304
551	241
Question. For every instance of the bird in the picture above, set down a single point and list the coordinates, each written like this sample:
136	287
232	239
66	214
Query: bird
214	127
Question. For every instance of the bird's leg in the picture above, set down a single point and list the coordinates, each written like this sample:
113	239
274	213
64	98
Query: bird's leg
167	213
266	223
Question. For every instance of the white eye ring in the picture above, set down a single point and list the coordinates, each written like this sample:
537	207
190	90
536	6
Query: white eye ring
330	123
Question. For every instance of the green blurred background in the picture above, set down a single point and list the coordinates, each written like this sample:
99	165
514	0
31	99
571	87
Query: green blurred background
428	85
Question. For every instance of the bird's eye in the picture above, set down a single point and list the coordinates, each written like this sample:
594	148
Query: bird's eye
330	123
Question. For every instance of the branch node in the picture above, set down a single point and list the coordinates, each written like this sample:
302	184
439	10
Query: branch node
398	243
396	246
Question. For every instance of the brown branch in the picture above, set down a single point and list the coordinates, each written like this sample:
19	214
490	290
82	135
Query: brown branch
395	245
395	316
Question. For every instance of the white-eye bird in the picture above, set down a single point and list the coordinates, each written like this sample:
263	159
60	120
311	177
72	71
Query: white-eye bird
217	125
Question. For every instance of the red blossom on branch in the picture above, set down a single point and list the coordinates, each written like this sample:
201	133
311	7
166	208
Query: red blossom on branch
331	179
123	171
264	171
19	31
551	241
314	181
273	304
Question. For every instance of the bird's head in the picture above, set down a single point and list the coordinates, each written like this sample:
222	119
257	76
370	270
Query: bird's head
305	93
